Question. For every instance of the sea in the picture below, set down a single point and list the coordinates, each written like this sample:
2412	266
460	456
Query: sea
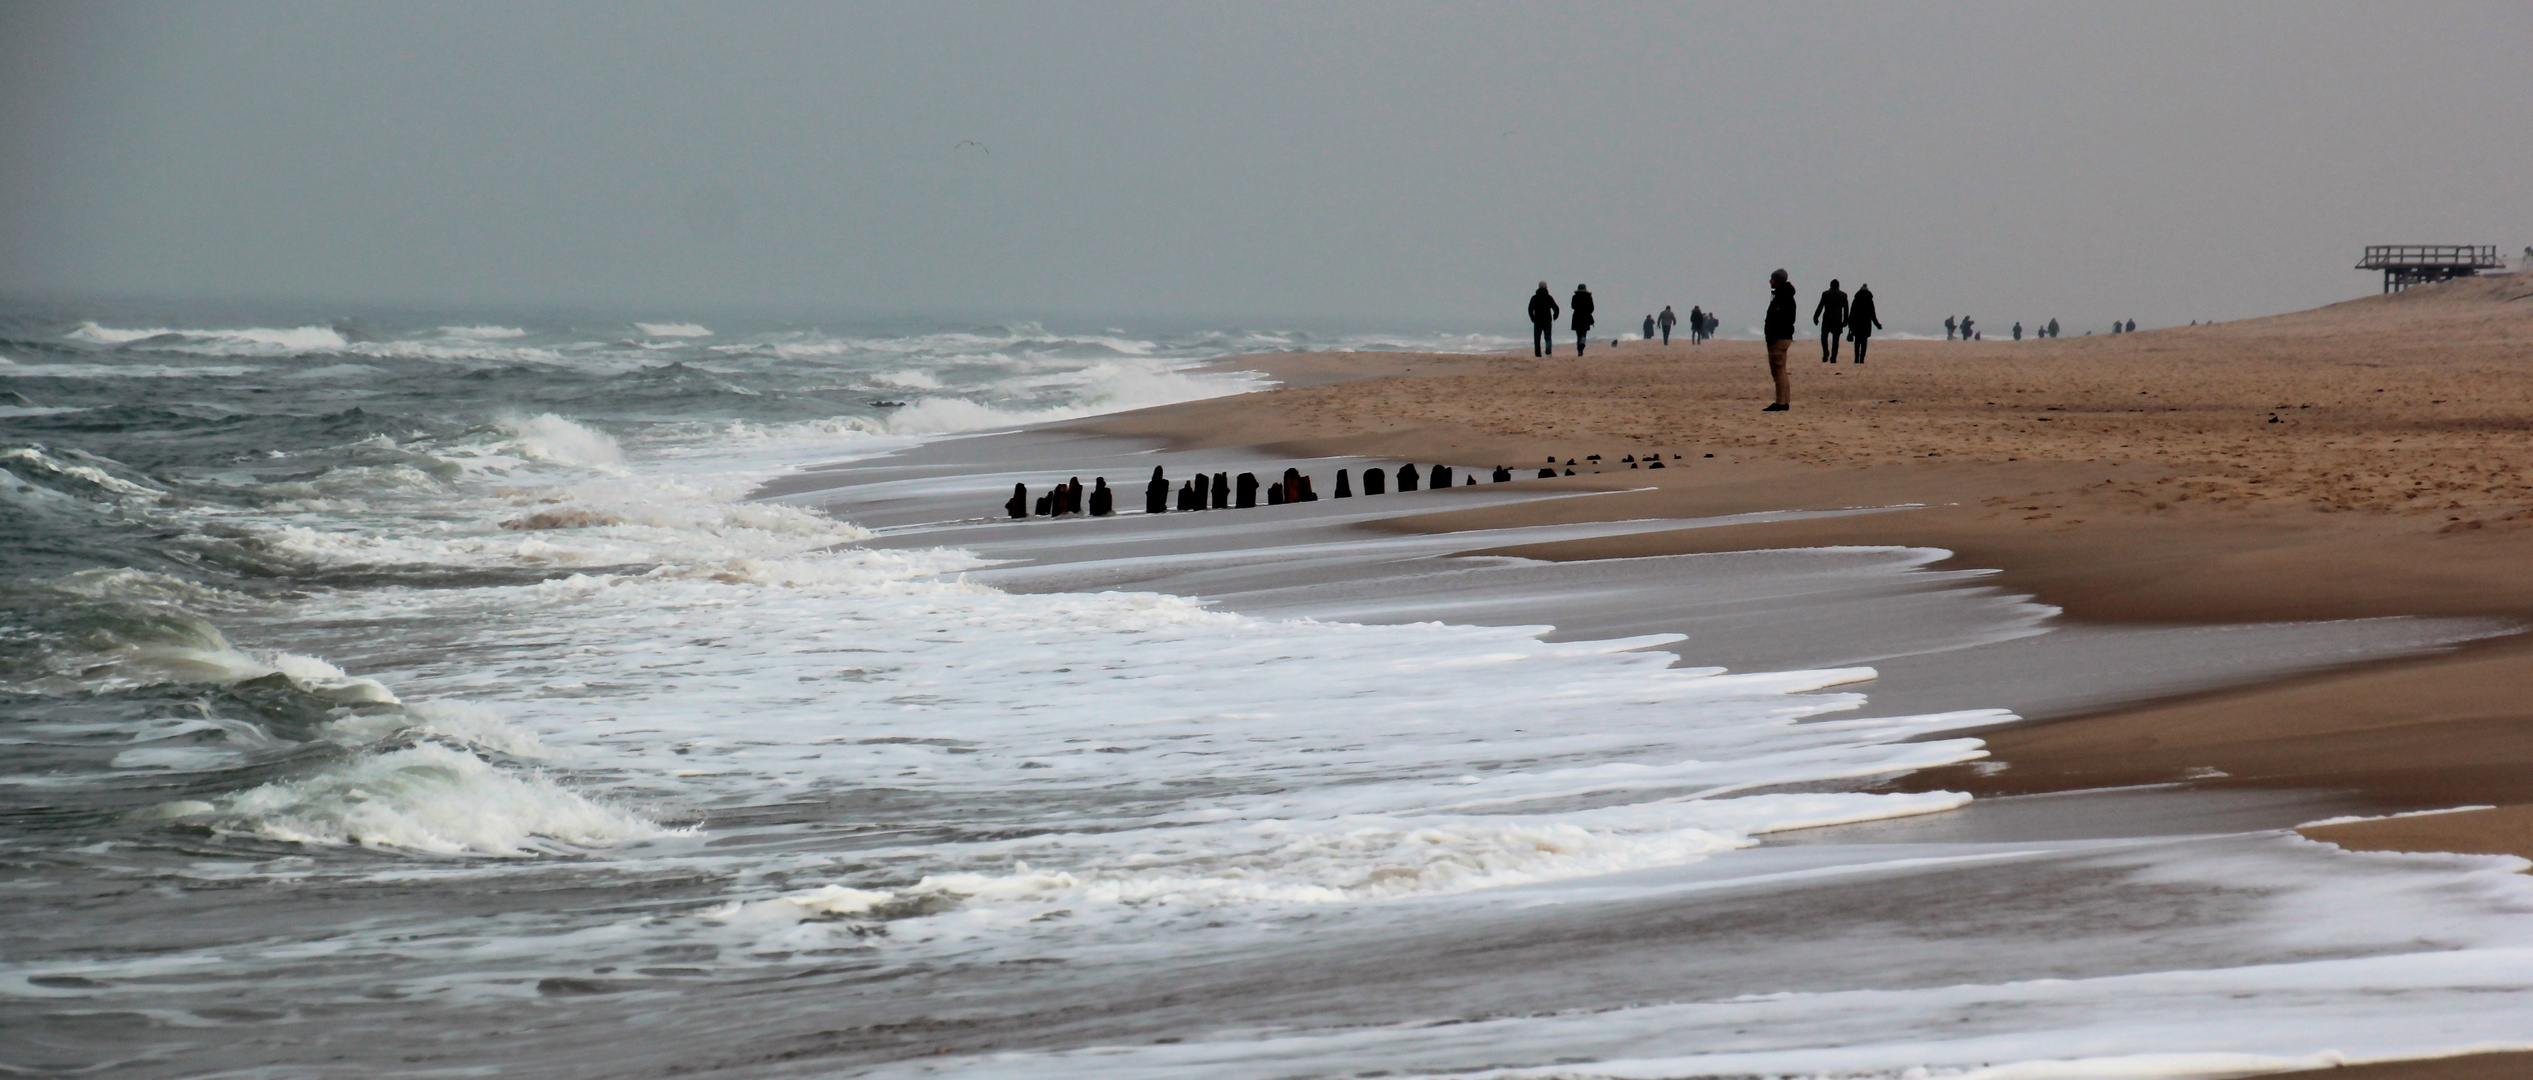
604	696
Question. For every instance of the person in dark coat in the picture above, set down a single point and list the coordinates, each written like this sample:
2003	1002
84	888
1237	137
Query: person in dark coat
1830	314
1581	305
1779	330
1019	505
1406	479
1543	322
1156	495
1375	481
1222	490
1103	501
1862	320
1345	489
1248	491
1697	325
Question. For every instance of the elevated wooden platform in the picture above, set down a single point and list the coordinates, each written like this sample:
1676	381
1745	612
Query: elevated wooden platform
2404	265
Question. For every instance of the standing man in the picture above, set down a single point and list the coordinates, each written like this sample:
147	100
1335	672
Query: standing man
1862	320
1581	306
1697	324
1780	333
2053	328
1948	328
1830	314
1543	322
2018	329
1666	322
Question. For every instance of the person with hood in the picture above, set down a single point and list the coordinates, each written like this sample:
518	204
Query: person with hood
1666	321
1581	306
1780	333
1862	320
1830	314
2052	330
1543	322
1649	328
1697	324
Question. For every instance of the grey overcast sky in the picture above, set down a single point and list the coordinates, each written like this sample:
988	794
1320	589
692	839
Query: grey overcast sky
1410	165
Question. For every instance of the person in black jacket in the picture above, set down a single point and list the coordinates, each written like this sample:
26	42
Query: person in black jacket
1543	322
1581	305
1862	321
1831	316
1780	334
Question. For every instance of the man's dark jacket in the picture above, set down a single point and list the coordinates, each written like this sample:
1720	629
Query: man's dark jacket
1543	308
1831	312
1780	324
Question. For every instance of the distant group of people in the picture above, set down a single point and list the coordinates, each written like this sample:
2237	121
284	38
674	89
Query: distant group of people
2046	331
1223	491
2130	327
1701	324
1969	330
1580	307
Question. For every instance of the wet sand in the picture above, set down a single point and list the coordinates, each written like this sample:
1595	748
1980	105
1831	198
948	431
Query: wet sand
2360	460
2365	459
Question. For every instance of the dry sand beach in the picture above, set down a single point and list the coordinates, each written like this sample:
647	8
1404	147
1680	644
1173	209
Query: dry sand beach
2368	458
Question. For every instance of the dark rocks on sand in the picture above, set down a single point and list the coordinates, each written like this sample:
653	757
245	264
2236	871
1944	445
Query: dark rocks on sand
1502	475
1406	479
1345	490
1375	481
1103	501
1046	505
1656	465
1222	491
1019	505
1156	495
1248	490
1546	473
1275	493
1441	477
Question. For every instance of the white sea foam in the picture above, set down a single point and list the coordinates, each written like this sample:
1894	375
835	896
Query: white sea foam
253	340
547	437
672	330
482	333
430	798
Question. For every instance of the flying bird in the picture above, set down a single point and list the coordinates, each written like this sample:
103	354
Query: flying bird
965	143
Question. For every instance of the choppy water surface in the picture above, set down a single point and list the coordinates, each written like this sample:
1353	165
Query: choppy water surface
435	700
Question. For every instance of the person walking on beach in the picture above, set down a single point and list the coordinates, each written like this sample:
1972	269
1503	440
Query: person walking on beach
1666	321
1780	334
1543	322
1649	328
1948	328
1581	306
1697	324
1965	329
1862	321
2053	328
1830	314
2018	329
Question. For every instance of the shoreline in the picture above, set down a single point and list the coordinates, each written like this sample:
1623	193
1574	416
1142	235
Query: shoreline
2251	508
